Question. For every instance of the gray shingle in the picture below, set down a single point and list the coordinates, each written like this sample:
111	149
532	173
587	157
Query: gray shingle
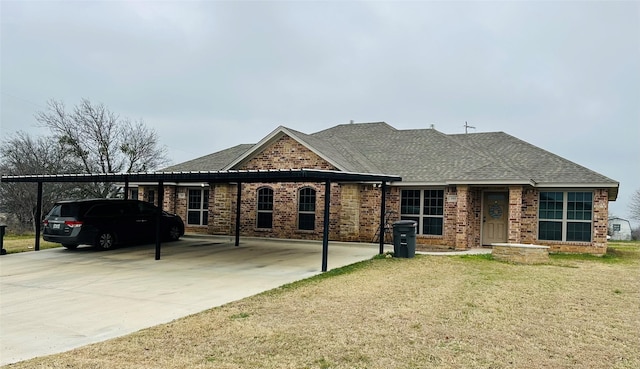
215	161
426	155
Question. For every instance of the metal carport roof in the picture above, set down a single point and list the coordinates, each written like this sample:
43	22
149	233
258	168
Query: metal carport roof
229	176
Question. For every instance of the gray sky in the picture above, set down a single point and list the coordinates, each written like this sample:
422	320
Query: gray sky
207	75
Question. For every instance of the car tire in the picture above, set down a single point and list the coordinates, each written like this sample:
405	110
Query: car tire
70	246
105	241
174	233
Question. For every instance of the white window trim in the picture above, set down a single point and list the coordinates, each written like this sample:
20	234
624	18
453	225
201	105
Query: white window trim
421	215
201	209
565	210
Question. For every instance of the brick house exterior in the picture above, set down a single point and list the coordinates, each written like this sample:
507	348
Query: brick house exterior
464	191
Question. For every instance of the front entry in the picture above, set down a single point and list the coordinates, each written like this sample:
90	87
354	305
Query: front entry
495	215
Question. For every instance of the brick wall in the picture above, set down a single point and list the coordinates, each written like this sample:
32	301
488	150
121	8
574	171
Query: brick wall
462	218
287	153
514	227
222	208
529	216
350	208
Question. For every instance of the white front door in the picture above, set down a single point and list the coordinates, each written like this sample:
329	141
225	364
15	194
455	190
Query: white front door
495	217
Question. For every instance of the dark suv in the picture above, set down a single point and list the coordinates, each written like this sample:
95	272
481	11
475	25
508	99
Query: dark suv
105	223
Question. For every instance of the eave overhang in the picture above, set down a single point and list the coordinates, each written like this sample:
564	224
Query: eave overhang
245	176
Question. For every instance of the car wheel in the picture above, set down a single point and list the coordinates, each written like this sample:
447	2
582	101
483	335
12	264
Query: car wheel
174	232
105	241
70	246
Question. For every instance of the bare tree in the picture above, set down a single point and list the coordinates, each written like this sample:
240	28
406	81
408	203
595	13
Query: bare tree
103	142
634	205
22	154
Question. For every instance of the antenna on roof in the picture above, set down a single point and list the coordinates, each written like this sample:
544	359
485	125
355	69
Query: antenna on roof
466	127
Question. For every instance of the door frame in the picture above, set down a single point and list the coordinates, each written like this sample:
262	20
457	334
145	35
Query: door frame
482	213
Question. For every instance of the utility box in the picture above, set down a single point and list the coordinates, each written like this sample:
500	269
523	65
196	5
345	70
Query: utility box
404	238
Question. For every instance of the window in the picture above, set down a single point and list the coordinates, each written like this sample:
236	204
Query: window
307	209
616	227
425	207
198	207
133	193
565	216
265	208
151	196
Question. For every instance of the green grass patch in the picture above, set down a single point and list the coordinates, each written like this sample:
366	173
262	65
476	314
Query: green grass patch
240	316
616	253
476	257
14	243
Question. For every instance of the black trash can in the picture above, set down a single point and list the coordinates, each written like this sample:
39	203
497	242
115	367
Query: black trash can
404	238
2	229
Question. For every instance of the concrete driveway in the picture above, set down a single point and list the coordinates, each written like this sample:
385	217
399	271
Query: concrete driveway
55	300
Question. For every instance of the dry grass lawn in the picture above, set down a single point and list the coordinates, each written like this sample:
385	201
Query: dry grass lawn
425	312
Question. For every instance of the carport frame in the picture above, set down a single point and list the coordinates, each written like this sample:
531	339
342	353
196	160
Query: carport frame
230	176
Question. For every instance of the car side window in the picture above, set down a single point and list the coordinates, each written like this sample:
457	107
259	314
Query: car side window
106	210
146	209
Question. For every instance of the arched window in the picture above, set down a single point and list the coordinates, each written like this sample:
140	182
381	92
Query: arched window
265	207
307	209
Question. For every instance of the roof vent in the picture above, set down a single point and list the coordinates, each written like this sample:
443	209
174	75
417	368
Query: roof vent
351	121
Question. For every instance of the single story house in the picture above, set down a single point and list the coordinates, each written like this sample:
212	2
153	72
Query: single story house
463	190
619	229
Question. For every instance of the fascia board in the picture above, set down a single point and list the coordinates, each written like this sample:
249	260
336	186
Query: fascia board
468	183
613	193
578	185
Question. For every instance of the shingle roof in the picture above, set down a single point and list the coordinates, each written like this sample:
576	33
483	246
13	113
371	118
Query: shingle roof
427	156
216	161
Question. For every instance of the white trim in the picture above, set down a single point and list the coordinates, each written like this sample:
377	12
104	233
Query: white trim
565	221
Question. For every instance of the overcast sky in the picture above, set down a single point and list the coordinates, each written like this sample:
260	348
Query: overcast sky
207	75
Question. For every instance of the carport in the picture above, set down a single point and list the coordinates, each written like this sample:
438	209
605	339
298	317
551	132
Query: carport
252	176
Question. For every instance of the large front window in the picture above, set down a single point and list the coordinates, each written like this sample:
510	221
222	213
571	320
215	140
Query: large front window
265	208
307	209
198	207
565	216
426	208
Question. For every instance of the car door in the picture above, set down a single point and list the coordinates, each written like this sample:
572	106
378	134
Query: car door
145	220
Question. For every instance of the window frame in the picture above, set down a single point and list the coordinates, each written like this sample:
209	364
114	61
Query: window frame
422	216
264	208
307	212
151	196
568	216
202	210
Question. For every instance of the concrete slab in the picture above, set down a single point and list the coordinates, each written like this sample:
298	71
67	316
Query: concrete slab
55	300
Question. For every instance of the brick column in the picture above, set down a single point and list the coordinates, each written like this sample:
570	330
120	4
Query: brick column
462	221
350	214
515	214
221	209
600	220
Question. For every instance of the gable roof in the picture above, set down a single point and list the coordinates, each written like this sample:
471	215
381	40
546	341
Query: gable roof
423	156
